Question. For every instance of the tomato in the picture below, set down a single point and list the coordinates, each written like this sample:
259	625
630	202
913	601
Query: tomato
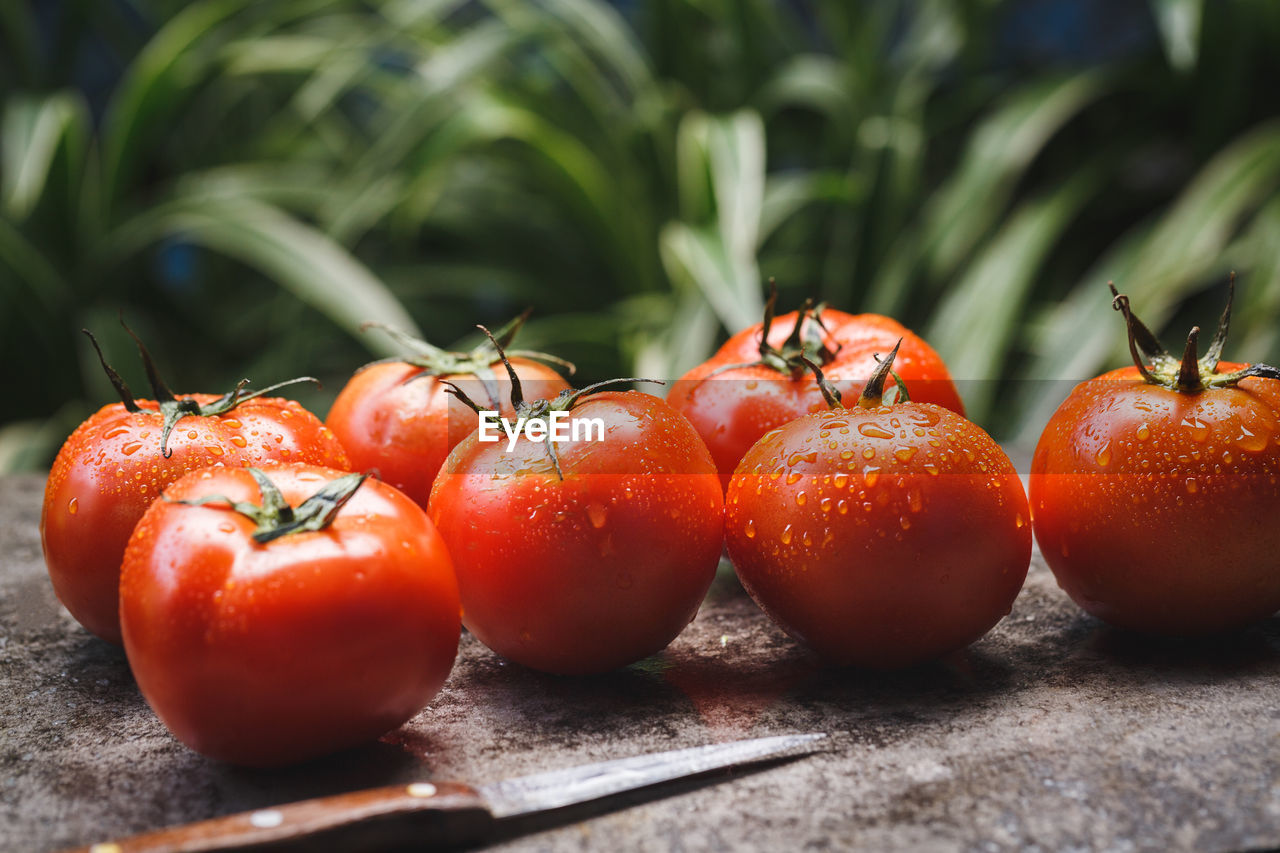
119	460
581	556
1154	490
265	651
397	418
756	382
880	535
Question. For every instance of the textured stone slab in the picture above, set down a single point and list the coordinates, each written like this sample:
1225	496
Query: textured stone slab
1054	732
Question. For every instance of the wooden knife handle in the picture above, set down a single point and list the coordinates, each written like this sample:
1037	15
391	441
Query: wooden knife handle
422	814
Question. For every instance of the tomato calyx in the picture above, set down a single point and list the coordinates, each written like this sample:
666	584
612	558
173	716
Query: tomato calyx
873	394
804	344
173	408
434	361
538	409
1190	374
275	518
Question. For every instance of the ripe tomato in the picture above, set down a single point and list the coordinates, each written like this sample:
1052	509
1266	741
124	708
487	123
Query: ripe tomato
1154	490
880	535
756	381
120	459
396	416
338	629
594	557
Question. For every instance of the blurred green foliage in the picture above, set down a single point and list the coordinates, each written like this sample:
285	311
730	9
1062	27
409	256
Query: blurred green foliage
261	177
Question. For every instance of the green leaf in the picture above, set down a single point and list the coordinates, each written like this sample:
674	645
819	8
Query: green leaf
1179	25
309	264
34	128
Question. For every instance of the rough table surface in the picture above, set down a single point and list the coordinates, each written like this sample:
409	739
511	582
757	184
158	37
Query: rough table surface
1054	732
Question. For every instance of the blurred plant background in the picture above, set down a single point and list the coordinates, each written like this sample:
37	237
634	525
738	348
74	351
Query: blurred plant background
249	181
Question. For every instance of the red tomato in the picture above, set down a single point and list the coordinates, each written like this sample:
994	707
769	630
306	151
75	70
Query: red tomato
265	653
1155	500
755	382
113	466
398	419
881	536
592	565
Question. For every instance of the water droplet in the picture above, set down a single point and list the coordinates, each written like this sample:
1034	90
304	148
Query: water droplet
73	506
905	522
870	476
232	423
227	527
1144	432
848	454
914	500
793	478
801	498
905	454
214	449
825	504
785	535
840	481
842	507
597	514
932	470
192	434
1192	485
868	453
775	473
750	529
1018	521
874	431
1226	457
1249	442
1199	430
1104	455
238	440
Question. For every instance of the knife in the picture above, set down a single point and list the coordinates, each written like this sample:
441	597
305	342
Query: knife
447	813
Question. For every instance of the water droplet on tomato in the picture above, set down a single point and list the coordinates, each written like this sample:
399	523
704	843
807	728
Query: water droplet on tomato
868	453
914	500
73	506
227	527
232	423
750	529
239	441
825	504
1227	459
793	477
785	535
1103	456
214	449
1018	522
840	481
1144	432
871	476
905	454
905	522
1249	442
874	431
842	507
801	498
597	514
932	470
1192	485
192	434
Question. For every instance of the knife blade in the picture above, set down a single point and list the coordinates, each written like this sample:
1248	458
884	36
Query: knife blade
448	813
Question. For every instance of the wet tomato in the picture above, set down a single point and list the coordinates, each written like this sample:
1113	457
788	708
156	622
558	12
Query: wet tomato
1154	490
120	459
587	554
272	616
395	416
756	381
880	535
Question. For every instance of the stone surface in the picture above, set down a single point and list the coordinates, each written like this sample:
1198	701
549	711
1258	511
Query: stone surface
1054	732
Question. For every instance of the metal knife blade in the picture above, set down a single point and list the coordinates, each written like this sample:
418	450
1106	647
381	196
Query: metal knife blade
445	813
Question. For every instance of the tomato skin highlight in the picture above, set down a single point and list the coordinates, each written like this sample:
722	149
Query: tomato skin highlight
595	571
111	469
880	537
734	407
269	654
1156	509
392	418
